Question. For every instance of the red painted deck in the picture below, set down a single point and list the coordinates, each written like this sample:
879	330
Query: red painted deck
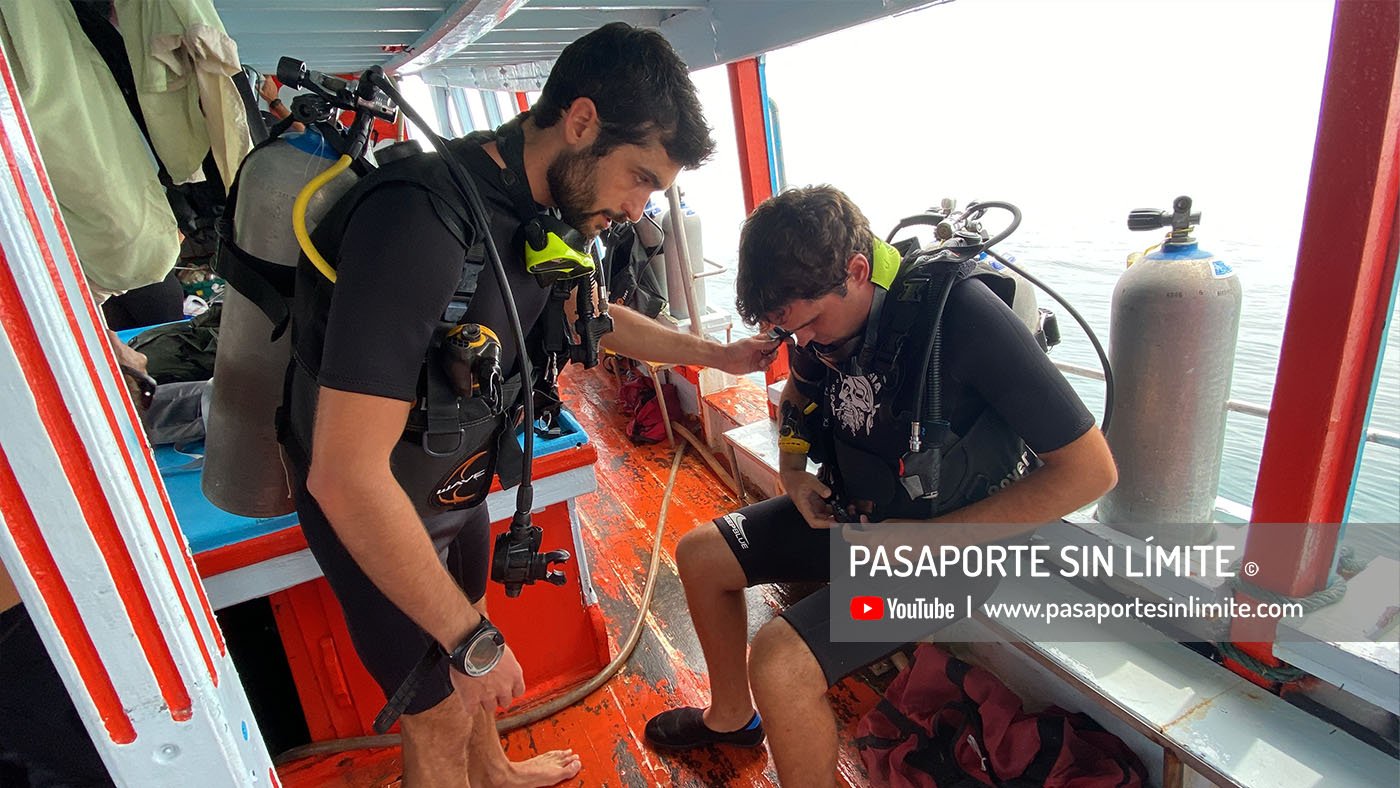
666	669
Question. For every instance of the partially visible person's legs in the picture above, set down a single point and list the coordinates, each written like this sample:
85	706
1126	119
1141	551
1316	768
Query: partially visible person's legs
39	727
763	543
444	742
162	302
714	591
790	690
488	765
434	745
436	727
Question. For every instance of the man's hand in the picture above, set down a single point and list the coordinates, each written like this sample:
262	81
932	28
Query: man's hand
749	355
809	495
268	89
132	363
499	687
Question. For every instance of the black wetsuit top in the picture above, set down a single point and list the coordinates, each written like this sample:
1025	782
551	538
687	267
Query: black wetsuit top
990	362
398	264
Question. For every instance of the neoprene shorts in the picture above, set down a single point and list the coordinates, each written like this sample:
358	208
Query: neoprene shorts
388	642
774	544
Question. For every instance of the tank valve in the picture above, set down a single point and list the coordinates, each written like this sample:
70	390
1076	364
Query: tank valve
1180	219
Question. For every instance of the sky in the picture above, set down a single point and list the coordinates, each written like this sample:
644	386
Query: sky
1077	110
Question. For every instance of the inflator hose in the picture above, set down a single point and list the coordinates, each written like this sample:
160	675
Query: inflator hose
536	713
299	215
976	210
1088	332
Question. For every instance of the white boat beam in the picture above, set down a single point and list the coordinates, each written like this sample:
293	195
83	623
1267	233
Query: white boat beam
461	23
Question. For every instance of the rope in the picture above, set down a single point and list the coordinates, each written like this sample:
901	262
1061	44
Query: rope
1335	590
1280	673
1347	566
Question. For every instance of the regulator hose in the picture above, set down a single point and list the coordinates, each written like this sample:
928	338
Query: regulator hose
974	211
299	215
535	713
1088	332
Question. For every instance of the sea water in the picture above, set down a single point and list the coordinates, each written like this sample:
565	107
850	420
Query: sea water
1077	111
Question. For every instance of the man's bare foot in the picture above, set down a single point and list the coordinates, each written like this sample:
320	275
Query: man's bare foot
551	768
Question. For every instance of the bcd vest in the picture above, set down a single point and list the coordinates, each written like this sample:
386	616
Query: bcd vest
452	446
984	458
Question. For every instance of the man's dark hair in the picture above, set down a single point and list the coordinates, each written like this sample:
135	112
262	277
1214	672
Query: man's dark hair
640	86
794	247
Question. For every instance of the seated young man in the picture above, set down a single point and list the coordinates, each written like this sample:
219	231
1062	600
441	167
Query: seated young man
810	268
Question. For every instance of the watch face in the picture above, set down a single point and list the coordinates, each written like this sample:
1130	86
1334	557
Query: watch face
483	653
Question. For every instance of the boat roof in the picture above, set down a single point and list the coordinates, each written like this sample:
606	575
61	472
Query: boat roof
511	44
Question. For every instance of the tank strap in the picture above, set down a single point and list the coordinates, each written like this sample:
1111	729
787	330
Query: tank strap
513	183
268	285
905	306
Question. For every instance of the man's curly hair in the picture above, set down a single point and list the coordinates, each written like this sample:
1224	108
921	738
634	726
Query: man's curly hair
794	247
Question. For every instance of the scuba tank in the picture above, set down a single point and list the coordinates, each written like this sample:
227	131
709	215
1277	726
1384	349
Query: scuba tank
243	469
1175	318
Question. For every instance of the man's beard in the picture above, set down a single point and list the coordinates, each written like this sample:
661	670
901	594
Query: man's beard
573	183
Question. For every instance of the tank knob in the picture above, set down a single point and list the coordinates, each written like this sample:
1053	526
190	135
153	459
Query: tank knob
1148	219
1180	219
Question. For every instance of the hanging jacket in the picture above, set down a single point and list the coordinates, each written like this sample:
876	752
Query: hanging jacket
182	61
122	230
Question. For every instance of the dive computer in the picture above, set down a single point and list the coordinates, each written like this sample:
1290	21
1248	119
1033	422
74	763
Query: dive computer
479	652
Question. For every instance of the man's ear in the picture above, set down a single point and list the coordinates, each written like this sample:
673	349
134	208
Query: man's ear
858	268
580	122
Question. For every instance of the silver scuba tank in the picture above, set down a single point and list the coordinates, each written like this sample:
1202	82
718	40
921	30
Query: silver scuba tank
676	280
1175	319
243	468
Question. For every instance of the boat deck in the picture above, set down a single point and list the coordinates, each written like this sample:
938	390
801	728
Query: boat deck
666	669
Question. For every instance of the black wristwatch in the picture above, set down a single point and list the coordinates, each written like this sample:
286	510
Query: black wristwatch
479	651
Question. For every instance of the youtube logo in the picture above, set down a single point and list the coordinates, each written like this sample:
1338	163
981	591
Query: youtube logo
867	608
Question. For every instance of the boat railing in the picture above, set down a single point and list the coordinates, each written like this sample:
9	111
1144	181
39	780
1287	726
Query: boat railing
1382	437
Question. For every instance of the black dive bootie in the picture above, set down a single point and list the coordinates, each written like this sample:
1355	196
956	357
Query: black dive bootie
684	728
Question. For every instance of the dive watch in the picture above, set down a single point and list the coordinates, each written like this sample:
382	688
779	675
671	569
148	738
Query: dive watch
479	651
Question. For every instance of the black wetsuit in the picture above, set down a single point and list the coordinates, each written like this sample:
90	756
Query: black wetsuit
990	361
399	262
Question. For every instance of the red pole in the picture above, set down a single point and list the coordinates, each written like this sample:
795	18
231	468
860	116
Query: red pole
751	134
520	101
1331	342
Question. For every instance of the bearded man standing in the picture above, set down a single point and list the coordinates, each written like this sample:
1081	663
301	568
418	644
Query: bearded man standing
618	119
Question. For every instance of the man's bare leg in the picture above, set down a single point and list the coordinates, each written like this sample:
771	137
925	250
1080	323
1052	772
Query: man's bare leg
790	689
714	591
487	763
434	746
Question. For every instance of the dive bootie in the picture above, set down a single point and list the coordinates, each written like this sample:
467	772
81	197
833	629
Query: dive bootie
685	728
